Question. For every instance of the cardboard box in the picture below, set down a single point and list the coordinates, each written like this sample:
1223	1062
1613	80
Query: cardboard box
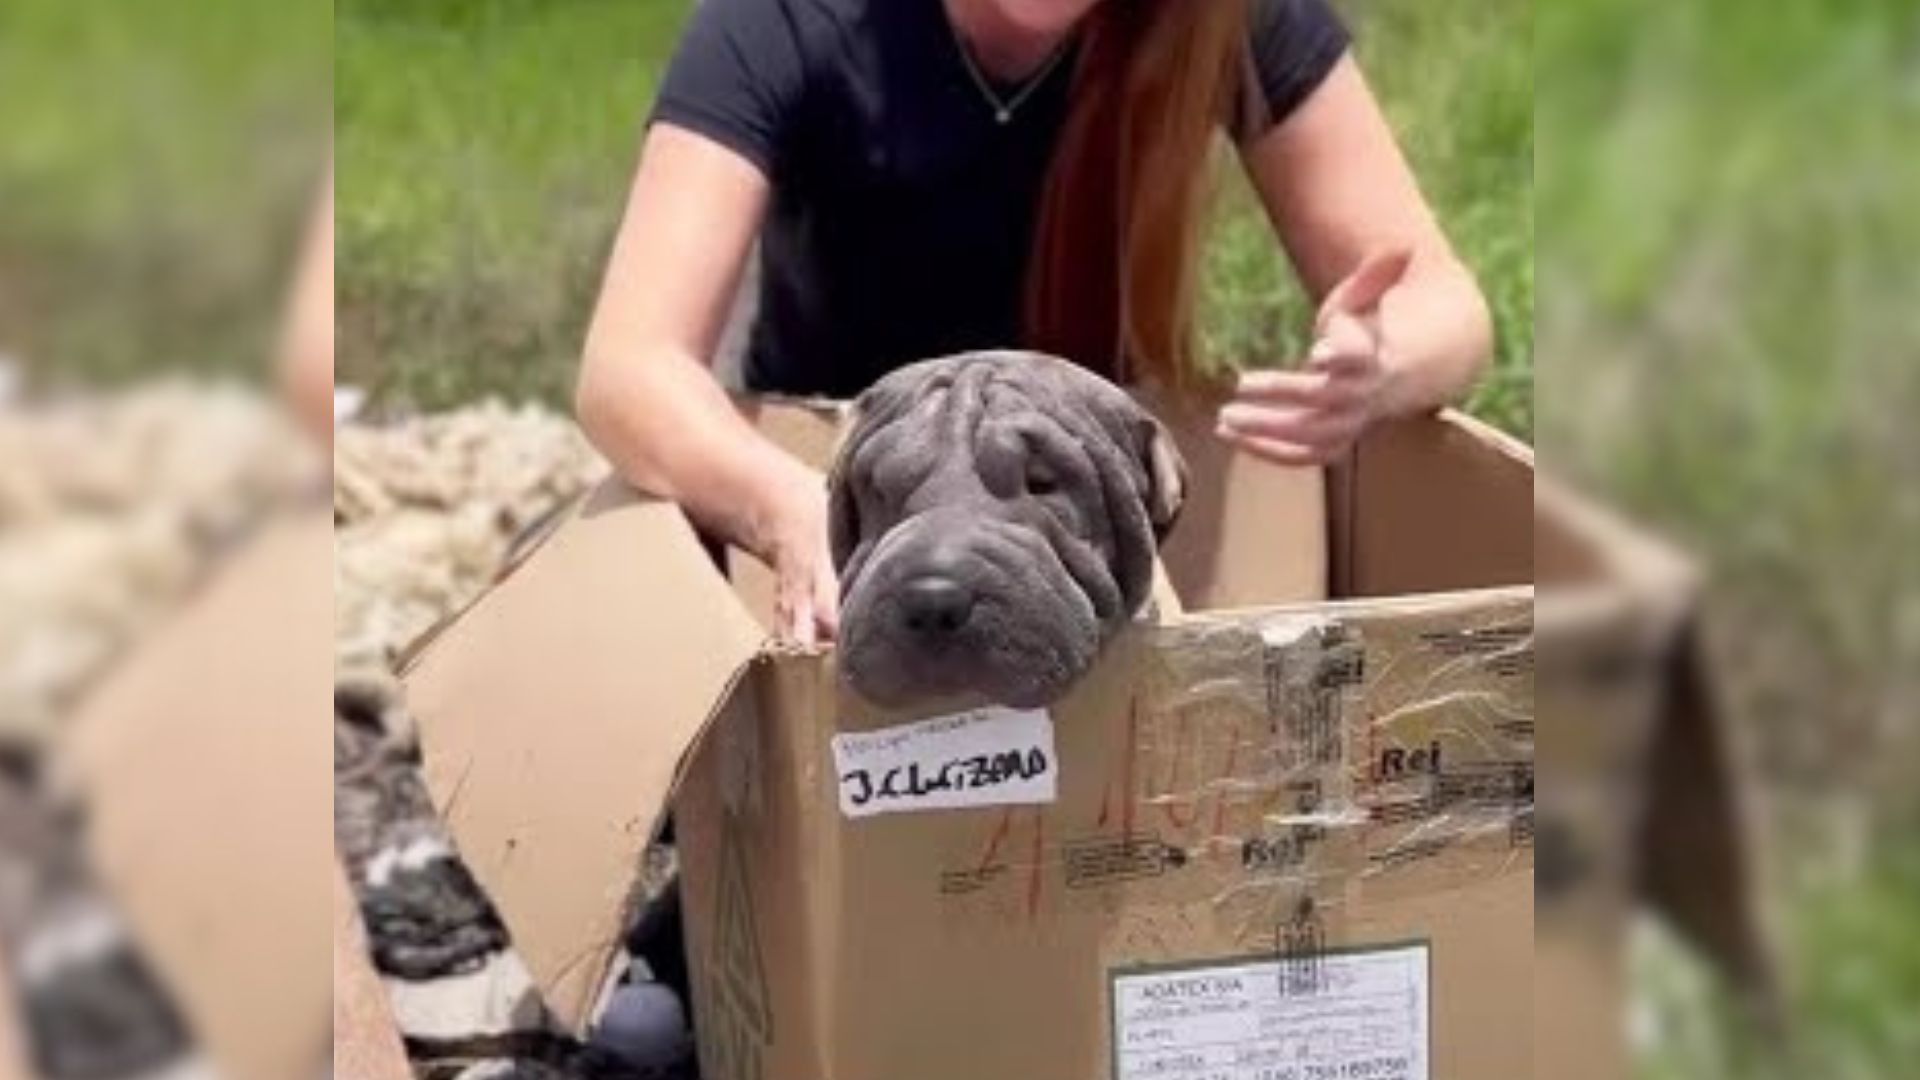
1643	802
13	1053
1324	804
204	759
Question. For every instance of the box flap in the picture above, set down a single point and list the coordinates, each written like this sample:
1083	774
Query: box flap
366	1043
1263	786
1251	533
204	763
1579	1015
1619	608
1580	547
1433	504
13	1055
1698	855
807	428
554	715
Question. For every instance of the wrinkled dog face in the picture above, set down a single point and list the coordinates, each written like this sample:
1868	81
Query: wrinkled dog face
994	519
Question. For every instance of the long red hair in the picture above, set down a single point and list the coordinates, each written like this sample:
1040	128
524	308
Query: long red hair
1113	278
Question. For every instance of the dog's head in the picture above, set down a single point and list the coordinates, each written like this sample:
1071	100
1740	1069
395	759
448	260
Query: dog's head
994	521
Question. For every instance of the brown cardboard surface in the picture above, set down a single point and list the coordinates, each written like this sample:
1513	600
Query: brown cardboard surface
809	430
1580	1009
1646	741
908	945
1606	615
1249	533
13	1055
555	713
1642	798
205	765
957	928
1433	504
1484	1004
930	945
1698	866
366	1044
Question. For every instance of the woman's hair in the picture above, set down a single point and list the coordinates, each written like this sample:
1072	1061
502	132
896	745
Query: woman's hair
1112	278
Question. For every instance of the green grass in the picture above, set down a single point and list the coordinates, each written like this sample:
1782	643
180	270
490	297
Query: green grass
1457	84
484	152
1851	1006
1728	340
157	166
485	147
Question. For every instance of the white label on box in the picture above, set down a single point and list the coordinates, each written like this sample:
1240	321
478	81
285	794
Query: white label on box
1339	1016
983	757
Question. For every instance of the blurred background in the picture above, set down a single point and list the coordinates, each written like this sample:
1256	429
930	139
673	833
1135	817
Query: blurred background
160	636
1729	351
157	164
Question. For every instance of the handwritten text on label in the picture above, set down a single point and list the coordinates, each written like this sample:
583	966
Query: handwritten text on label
983	757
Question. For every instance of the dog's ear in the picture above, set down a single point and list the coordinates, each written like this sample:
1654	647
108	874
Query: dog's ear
843	510
1166	480
878	407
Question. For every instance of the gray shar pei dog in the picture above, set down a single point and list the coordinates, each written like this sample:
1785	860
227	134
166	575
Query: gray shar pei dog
994	518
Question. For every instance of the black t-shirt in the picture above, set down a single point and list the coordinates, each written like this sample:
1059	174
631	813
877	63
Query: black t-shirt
903	211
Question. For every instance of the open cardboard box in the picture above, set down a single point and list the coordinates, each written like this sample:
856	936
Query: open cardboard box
560	712
1281	830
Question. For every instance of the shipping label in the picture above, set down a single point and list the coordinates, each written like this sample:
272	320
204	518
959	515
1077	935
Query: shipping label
984	757
1352	1015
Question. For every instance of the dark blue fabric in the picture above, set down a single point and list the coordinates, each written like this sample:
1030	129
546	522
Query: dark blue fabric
902	213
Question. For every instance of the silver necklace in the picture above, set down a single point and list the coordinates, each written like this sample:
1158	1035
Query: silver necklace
1005	108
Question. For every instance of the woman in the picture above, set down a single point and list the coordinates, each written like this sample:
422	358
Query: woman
927	176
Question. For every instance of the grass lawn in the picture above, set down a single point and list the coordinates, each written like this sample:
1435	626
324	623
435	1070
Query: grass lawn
485	147
158	164
1729	338
484	151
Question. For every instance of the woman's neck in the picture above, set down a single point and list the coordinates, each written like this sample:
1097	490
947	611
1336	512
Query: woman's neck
1008	48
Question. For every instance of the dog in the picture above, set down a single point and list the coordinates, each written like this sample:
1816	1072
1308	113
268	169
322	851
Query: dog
994	518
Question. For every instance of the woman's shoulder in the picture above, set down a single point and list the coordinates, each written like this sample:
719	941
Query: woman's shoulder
1296	24
1295	45
811	29
777	38
803	13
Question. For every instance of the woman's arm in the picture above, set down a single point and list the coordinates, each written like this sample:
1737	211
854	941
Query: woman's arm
1403	327
647	395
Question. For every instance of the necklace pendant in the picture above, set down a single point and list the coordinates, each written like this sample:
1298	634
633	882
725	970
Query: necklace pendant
1005	116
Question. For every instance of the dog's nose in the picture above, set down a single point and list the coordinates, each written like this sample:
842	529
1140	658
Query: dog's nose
936	605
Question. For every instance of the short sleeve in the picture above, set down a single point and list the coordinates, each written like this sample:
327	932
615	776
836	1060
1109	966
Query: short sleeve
1296	44
737	77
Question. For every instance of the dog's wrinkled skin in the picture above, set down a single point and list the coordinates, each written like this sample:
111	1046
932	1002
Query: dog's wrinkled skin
994	519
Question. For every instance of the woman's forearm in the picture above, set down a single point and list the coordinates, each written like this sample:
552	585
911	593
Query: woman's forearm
1436	337
670	429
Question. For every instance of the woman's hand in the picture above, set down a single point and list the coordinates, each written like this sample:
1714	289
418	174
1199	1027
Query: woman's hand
1313	415
807	591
